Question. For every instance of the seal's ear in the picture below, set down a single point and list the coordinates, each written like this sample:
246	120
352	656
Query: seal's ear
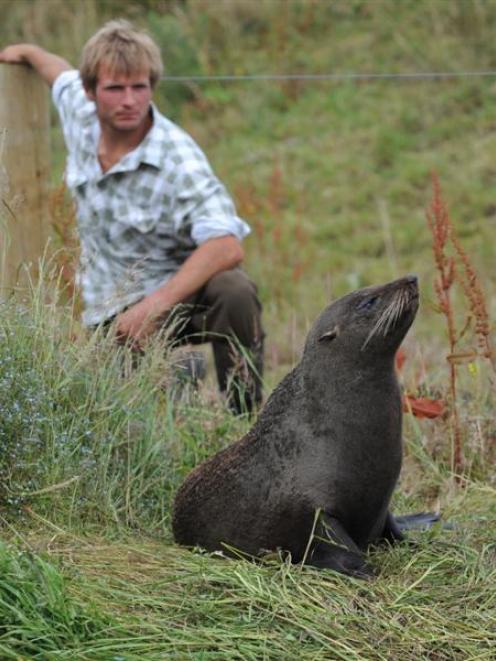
330	335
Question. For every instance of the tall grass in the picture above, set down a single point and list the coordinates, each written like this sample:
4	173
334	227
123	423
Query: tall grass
83	435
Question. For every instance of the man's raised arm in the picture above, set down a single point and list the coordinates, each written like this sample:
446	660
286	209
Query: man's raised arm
48	65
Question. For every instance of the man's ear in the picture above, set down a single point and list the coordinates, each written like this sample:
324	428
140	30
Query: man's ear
90	93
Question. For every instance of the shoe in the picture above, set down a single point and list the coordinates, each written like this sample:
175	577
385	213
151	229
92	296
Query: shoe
190	367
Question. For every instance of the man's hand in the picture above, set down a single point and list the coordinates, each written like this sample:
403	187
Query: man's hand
13	54
48	65
136	324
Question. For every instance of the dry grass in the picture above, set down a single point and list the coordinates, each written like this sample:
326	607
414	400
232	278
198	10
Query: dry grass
434	601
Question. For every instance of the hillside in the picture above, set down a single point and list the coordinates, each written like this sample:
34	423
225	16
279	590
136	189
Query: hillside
334	176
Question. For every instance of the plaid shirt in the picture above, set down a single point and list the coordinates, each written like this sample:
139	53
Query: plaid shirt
141	219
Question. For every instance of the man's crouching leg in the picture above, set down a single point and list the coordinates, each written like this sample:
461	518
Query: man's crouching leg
231	320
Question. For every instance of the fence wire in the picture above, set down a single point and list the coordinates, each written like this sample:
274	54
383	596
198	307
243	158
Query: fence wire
331	77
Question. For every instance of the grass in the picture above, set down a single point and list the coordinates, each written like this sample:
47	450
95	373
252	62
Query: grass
436	601
89	437
334	180
91	461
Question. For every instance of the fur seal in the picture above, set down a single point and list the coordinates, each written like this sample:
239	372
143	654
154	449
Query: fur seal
315	474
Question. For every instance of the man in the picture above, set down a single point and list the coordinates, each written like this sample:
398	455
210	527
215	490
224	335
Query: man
160	238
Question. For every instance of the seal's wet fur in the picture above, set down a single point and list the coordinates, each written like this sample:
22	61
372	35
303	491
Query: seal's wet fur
315	474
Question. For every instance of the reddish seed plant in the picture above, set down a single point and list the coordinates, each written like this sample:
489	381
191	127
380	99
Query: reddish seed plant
451	269
476	300
63	222
282	243
275	202
439	224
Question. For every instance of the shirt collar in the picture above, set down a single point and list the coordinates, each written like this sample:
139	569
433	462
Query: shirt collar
148	148
147	152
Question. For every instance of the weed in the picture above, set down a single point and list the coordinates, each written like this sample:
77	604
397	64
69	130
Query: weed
439	223
452	269
63	222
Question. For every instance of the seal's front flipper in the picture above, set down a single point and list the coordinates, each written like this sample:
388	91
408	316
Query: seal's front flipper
333	548
340	560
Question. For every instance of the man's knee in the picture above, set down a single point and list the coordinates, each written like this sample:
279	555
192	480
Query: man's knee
232	288
232	308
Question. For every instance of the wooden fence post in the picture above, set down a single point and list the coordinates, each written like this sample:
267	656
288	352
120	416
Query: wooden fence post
24	173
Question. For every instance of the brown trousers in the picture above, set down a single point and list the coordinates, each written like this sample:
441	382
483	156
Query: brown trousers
227	313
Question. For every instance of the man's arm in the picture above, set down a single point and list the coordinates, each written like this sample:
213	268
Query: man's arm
210	258
48	65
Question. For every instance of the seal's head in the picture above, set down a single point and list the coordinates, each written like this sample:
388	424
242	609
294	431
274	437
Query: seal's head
365	323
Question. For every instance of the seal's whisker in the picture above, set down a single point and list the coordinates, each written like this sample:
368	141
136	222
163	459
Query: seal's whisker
396	310
389	317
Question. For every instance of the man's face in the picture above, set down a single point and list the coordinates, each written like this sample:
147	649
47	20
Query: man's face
122	102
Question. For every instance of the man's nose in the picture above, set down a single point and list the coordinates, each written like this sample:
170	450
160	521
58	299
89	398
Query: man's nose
128	98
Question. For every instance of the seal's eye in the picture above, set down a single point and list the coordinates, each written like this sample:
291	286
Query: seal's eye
368	303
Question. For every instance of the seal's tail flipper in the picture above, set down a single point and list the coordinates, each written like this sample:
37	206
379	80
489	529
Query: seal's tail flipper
419	521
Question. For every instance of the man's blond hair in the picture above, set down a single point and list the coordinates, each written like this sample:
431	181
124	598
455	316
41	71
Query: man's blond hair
123	50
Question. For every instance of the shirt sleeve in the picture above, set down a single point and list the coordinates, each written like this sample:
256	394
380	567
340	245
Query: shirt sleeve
203	203
72	104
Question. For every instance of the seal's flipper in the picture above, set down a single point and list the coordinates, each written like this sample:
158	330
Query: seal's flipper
328	556
419	521
395	526
392	531
333	548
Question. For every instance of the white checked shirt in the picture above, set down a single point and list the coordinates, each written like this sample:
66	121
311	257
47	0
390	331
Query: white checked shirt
141	219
